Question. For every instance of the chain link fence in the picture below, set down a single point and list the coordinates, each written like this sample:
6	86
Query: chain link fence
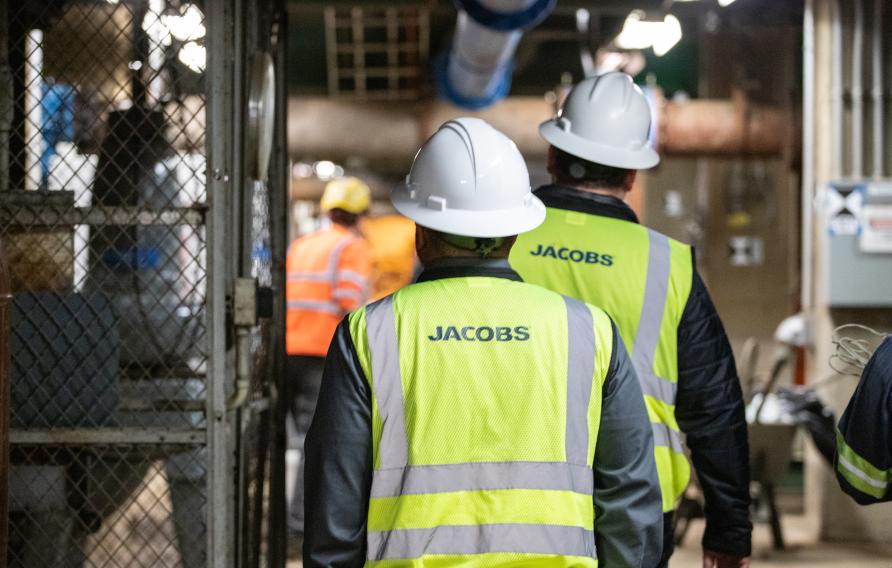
103	208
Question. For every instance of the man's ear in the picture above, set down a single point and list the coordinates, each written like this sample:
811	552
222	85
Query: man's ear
420	238
629	182
551	164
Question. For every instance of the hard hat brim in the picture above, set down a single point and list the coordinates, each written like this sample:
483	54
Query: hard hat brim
481	224
642	158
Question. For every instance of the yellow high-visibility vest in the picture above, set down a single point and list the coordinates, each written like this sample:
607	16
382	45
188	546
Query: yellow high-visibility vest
486	404
642	279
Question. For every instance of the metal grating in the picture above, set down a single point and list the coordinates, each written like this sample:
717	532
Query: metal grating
103	217
377	53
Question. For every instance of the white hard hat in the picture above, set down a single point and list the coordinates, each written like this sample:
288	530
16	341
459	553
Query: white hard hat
605	120
469	179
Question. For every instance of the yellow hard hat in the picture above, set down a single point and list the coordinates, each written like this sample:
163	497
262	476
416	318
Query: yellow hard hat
348	193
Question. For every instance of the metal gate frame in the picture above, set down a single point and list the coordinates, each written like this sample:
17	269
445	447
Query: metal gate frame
228	258
220	155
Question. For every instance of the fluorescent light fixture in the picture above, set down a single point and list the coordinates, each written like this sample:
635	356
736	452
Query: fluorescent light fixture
325	169
188	25
193	56
636	32
724	3
640	33
669	34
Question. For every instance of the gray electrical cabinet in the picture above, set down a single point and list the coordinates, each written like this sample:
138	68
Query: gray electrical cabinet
859	231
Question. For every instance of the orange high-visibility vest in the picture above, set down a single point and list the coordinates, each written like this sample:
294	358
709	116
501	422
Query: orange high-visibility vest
328	277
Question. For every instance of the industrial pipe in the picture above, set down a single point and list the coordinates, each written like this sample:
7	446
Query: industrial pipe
858	92
836	90
476	72
322	128
877	89
808	154
721	128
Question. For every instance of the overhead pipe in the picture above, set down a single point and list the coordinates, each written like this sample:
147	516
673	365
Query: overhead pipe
476	71
877	89
390	133
858	91
720	127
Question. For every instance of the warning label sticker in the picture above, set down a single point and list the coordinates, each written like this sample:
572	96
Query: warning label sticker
876	228
843	205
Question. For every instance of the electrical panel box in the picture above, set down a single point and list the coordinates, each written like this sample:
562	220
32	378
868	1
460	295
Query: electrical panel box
859	231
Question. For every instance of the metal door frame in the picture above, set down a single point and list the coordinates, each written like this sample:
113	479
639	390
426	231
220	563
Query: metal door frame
220	183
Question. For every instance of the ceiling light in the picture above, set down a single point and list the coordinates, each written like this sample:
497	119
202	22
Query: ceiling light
187	25
724	3
193	56
640	33
325	169
669	34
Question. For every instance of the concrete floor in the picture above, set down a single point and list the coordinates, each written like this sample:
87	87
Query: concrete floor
802	551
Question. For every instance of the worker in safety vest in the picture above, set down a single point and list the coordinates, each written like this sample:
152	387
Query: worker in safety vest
328	277
864	436
471	418
591	247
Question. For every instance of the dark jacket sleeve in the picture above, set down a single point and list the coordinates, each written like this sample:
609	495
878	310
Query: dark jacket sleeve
864	442
628	507
710	411
339	461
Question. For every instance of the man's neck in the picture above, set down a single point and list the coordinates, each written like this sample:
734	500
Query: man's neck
608	191
453	259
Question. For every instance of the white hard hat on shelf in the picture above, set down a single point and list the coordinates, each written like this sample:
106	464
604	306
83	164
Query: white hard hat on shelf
606	120
469	179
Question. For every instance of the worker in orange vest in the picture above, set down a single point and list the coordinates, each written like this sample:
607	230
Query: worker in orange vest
328	277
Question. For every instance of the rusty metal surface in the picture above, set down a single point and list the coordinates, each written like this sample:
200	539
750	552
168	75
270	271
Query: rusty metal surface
5	297
50	215
722	128
107	436
388	134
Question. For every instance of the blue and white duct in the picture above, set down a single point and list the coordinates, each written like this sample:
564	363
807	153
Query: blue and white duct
476	71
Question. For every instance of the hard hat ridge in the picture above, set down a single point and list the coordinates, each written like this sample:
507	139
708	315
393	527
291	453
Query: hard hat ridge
463	133
469	180
606	120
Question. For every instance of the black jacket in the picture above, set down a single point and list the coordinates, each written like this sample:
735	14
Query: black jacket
866	428
628	521
709	405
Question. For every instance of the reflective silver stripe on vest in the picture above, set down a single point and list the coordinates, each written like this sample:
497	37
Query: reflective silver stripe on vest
667	437
309	276
388	382
482	539
335	257
353	277
485	476
651	321
314	306
342	293
329	274
859	473
580	374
